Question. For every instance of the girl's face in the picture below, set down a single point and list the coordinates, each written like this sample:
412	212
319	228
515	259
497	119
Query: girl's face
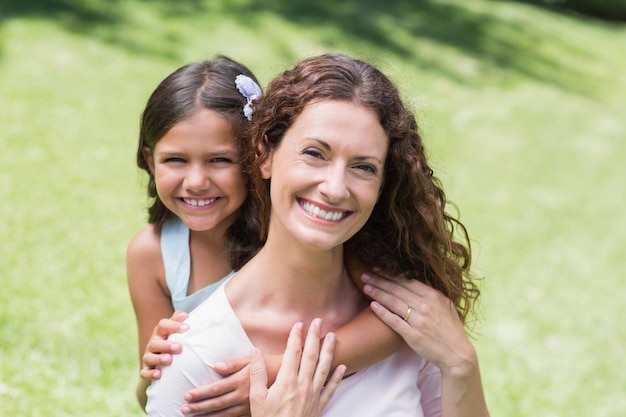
327	173
197	173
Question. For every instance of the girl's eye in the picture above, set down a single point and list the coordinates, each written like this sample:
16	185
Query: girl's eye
174	159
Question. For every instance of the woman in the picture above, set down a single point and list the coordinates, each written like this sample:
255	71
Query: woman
343	165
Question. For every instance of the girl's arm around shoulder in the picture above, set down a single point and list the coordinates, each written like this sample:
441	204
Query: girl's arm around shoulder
366	339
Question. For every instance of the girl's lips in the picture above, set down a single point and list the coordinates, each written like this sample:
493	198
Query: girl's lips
199	202
325	214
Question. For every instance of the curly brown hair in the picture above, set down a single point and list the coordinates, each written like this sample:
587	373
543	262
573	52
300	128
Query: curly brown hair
409	232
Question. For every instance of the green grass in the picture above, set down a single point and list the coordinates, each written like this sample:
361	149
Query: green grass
522	110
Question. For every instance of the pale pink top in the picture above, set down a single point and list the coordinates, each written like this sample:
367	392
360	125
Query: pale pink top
404	384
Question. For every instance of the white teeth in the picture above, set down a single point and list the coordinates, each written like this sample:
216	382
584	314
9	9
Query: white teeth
198	203
322	214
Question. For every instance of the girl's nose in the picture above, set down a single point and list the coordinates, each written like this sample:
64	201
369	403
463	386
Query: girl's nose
197	179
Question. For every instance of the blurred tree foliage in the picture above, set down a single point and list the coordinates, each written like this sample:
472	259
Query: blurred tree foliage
604	9
608	9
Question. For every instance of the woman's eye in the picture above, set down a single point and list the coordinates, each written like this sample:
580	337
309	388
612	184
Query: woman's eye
218	160
370	169
313	152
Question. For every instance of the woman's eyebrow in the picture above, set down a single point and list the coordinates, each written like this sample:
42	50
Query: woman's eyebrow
327	146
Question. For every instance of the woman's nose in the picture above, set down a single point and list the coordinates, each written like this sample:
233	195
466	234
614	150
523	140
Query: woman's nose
334	186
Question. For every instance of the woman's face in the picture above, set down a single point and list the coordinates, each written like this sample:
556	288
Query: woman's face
327	173
197	172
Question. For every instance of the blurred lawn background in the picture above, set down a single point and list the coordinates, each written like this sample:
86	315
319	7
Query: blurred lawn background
523	109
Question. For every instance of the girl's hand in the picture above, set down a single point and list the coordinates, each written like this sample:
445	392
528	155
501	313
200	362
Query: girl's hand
227	397
300	389
426	320
159	351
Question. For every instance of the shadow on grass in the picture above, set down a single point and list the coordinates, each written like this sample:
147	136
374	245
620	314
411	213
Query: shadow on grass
605	10
106	20
494	42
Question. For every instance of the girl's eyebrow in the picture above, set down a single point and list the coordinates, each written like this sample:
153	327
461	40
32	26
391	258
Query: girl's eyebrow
212	153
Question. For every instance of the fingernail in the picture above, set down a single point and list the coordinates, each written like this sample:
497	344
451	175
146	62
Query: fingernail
316	322
187	397
220	365
166	358
366	277
184	327
374	305
185	410
367	288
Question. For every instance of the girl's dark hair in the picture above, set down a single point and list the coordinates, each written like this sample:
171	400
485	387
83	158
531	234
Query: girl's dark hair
202	85
409	231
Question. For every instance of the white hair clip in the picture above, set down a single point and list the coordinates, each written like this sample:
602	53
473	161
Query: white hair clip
250	90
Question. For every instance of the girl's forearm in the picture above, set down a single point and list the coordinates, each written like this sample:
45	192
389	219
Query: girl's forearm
364	341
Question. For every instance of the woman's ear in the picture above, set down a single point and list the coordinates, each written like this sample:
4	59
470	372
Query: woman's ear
266	167
148	157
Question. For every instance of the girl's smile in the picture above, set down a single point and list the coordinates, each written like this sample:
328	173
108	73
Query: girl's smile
199	203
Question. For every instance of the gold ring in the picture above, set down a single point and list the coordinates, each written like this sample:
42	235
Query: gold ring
408	313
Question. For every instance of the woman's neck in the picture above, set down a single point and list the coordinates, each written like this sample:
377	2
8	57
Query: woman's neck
310	277
287	282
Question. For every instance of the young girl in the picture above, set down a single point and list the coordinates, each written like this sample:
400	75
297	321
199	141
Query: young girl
189	144
344	167
203	224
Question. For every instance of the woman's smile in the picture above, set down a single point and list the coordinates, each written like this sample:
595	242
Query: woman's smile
318	212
